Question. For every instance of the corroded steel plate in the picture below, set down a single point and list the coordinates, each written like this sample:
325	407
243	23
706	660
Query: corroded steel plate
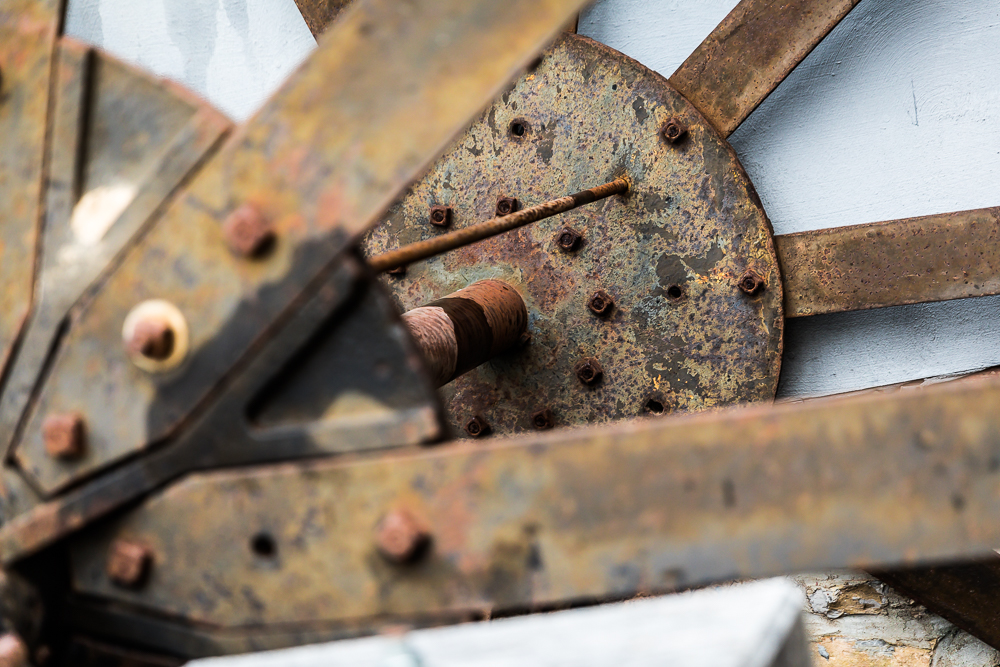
682	335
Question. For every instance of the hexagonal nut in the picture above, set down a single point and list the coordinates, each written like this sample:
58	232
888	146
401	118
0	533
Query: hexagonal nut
673	130
477	427
543	419
589	371
152	338
64	435
440	216
568	239
752	283
13	651
601	304
129	563
506	206
400	538
247	233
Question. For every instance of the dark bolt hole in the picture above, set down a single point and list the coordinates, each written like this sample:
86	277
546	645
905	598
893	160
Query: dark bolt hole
675	292
263	544
587	373
614	86
517	128
654	406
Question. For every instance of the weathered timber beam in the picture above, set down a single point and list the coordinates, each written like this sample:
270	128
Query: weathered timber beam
646	505
916	260
752	51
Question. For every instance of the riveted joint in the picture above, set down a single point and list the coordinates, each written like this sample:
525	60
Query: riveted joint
247	232
589	371
477	427
543	419
752	283
440	216
601	304
64	435
568	239
506	206
400	538
129	563
673	130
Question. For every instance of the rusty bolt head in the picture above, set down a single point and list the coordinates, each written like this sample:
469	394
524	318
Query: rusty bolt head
400	538
506	206
751	283
601	303
569	239
589	371
673	130
441	216
247	233
129	563
477	427
64	435
152	338
543	419
13	651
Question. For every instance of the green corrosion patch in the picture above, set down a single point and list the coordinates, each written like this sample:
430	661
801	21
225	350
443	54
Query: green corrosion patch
674	269
639	106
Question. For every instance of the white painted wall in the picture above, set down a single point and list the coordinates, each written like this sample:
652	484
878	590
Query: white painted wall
895	114
233	52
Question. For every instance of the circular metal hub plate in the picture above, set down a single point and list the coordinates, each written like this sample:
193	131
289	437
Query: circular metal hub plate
682	335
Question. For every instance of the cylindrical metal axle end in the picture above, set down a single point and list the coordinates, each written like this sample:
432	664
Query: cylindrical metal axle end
467	328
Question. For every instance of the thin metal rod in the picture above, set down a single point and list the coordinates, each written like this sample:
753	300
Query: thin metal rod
484	230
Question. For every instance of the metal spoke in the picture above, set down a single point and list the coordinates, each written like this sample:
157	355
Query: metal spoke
916	260
28	31
319	14
675	502
751	52
389	86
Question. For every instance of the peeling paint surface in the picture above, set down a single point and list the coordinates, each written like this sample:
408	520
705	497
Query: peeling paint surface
854	620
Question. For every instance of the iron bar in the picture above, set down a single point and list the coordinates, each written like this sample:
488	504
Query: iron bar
582	514
484	230
750	53
916	260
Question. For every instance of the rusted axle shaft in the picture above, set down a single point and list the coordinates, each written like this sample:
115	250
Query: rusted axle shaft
484	230
467	328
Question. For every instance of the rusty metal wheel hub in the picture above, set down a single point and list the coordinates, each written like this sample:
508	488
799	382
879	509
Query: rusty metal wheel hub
667	299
